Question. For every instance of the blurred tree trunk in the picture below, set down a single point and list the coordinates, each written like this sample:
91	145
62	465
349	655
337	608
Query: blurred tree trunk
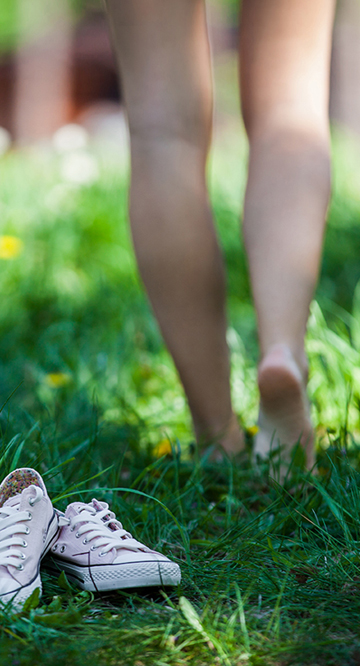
43	69
345	76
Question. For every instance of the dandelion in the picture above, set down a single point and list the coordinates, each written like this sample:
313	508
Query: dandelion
58	379
252	430
10	247
163	449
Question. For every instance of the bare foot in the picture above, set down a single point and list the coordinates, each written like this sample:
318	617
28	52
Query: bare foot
233	440
284	416
230	439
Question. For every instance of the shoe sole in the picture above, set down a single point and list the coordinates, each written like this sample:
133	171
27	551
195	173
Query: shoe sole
102	578
19	596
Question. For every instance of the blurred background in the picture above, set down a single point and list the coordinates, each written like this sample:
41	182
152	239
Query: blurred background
57	65
78	342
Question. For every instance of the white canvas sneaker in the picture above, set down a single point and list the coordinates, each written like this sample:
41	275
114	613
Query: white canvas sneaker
28	527
97	554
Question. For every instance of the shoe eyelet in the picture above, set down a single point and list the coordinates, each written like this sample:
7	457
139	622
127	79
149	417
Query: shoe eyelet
31	501
23	556
27	531
102	554
54	548
77	535
62	549
24	543
85	541
72	529
20	567
93	548
29	515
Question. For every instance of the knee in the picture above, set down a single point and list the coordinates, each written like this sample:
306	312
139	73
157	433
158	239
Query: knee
303	144
286	116
160	121
169	147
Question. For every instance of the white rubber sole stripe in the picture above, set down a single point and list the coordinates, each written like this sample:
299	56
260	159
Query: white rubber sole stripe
18	597
101	578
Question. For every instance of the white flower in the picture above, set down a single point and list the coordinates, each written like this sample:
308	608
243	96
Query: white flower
70	137
80	168
5	140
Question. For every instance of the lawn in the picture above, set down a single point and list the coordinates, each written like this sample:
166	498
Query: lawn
271	573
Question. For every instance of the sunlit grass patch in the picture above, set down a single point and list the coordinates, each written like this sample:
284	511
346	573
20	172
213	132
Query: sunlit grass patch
270	573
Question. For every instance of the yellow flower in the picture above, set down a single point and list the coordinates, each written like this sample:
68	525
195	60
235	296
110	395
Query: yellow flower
10	247
253	430
57	379
163	449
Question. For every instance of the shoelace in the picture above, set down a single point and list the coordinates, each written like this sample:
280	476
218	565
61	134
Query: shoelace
12	526
97	525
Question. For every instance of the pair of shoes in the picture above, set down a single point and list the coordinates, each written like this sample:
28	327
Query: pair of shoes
87	542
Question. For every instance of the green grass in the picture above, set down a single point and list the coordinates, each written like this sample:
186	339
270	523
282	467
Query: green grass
271	573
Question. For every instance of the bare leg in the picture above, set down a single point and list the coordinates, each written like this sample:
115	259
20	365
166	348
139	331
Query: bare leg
163	55
284	59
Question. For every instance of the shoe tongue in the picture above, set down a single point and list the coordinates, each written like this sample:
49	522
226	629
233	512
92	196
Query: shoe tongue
17	481
98	507
75	508
95	504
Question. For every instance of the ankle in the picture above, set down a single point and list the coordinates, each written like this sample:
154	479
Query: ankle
283	353
227	434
